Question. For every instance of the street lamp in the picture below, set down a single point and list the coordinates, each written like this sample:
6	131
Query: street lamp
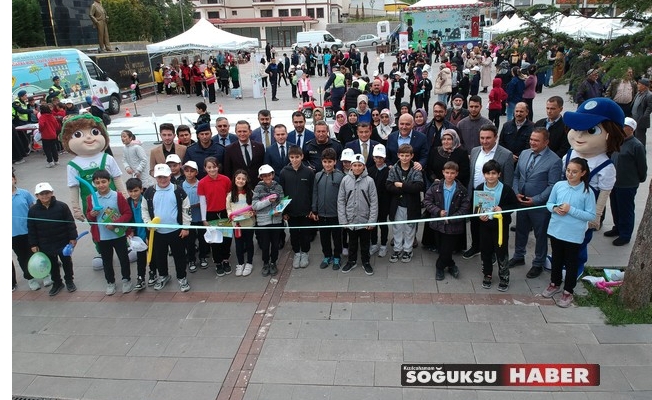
183	25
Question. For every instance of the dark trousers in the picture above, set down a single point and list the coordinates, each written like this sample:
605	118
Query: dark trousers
198	89
274	86
159	87
211	93
50	150
225	86
121	250
494	116
564	253
141	263
336	98
245	244
475	232
263	81
536	220
66	263
269	241
20	246
330	238
447	243
489	245
360	236
186	85
384	230
194	236
163	241
17	148
381	67
221	251
627	108
622	210
299	238
640	134
530	113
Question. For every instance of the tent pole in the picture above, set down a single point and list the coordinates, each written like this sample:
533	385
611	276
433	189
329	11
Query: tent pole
152	71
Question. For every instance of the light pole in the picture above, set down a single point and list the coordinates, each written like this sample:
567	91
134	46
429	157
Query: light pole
183	25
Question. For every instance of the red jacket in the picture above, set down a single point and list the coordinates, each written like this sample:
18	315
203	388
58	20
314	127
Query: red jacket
123	208
48	126
497	95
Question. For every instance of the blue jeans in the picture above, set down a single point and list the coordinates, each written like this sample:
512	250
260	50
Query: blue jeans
510	111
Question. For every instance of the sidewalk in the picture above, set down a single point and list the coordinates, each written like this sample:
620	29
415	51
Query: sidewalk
307	333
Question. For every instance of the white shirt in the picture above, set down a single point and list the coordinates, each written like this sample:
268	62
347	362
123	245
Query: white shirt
483	157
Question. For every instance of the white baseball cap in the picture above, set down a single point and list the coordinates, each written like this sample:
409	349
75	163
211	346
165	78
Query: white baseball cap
631	123
43	187
347	155
173	158
162	170
265	169
379	151
191	164
358	158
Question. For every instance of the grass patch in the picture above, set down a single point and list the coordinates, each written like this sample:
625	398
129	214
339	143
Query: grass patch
610	305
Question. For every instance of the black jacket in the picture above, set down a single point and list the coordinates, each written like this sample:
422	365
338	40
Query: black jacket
52	228
297	185
411	191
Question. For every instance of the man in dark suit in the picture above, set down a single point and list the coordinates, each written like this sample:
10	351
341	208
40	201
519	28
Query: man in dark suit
276	155
641	109
363	145
515	134
554	123
264	133
537	171
235	157
405	134
223	136
489	149
300	135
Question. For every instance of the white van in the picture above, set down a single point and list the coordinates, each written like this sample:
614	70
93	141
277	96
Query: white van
80	76
323	38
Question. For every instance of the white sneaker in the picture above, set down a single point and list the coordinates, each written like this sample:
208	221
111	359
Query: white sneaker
56	163
373	249
382	252
110	289
296	262
345	251
247	269
183	284
126	286
50	165
34	285
47	281
304	261
238	269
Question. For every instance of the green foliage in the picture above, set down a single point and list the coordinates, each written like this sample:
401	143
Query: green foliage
617	66
151	20
26	25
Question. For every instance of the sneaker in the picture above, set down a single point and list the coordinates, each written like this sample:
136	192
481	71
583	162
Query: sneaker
47	281
273	269
612	233
439	275
470	253
219	269
566	300
126	286
394	257
247	269
227	267
486	282
515	262
348	267
336	263
50	165
110	289
192	267
345	251
183	284
161	282
71	287
140	283
406	257
304	260
382	252
56	288
296	262
551	290
33	284
238	269
325	263
152	278
454	271
203	263
265	270
534	272
367	269
21	161
373	249
503	286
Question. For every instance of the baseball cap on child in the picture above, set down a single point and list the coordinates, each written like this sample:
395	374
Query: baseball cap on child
347	155
173	158
265	169
191	164
162	170
631	123
379	151
43	187
358	158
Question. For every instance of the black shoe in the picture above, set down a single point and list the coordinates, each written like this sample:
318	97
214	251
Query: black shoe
534	272
265	270
219	269
274	99
515	262
140	284
152	278
454	271
612	233
368	269
439	275
486	282
512	229
70	286
349	266
503	286
470	253
56	288
273	270
226	267
620	242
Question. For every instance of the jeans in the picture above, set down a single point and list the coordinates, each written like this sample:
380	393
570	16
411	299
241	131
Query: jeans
622	210
510	110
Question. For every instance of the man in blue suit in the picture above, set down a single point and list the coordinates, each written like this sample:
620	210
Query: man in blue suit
224	137
405	134
264	133
276	155
363	145
300	135
537	171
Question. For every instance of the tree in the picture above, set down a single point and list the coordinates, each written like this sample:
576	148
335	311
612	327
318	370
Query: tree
26	24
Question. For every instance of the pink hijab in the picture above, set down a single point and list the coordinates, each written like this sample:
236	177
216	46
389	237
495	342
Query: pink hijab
336	125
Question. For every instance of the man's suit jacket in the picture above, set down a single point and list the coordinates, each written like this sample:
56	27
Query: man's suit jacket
355	146
539	182
257	135
156	155
273	157
419	146
308	135
231	138
643	111
234	160
503	156
558	141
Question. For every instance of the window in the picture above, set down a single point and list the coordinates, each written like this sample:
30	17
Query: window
311	12
295	12
266	13
234	12
212	2
196	15
283	13
213	14
320	13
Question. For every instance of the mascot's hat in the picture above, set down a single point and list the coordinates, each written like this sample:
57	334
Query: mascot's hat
594	111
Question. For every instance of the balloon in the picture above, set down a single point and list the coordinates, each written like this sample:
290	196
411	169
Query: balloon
310	93
39	265
133	86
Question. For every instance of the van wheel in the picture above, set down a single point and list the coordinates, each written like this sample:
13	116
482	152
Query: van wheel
307	112
328	112
114	105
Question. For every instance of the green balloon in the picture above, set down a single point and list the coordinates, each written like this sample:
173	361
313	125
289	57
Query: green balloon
39	265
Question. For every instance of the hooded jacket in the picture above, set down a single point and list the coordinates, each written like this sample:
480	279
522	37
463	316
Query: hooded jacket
497	95
297	184
357	200
444	82
460	205
51	228
264	207
325	191
411	190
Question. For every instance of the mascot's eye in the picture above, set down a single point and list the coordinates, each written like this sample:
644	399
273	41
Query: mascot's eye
78	134
95	132
595	130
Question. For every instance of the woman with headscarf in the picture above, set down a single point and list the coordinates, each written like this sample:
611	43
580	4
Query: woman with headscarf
420	120
364	112
404	108
340	121
97	110
349	131
386	126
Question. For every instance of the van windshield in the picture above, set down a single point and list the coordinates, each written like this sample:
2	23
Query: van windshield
95	72
328	38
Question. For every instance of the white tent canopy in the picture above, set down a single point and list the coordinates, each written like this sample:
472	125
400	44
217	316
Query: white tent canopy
443	4
203	36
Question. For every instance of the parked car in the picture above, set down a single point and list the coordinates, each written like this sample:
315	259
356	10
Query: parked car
365	41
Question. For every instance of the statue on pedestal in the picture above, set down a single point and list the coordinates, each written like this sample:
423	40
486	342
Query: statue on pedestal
100	21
